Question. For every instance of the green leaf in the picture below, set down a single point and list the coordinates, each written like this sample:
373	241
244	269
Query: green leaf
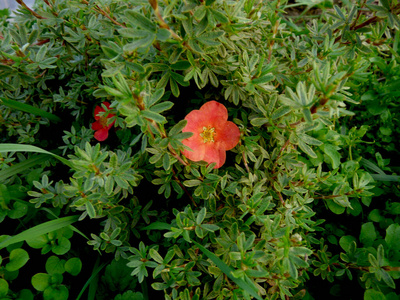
307	149
346	241
177	128
73	266
140	43
90	209
368	234
62	247
280	112
258	121
155	97
41	281
22	166
333	154
39	230
373	295
3	287
153	116
54	265
158	226
247	286
335	208
191	182
201	216
59	292
29	109
263	79
18	258
289	266
392	237
161	107
28	148
139	20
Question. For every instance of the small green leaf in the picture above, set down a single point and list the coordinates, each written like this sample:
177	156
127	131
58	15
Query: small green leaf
247	286
55	265
258	121
29	109
264	79
39	230
368	234
153	116
73	266
3	288
139	20
280	112
307	149
18	258
345	242
201	215
393	236
59	292
333	154
41	281
374	295
158	226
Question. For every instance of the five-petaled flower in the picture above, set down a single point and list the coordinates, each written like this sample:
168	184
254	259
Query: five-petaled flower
212	135
101	125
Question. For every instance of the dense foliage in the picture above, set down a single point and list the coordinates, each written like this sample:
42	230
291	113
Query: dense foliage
99	201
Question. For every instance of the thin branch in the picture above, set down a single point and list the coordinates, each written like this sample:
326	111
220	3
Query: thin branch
102	12
22	3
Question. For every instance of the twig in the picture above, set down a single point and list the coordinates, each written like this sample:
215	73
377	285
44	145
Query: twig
100	11
22	3
183	187
280	154
163	24
274	31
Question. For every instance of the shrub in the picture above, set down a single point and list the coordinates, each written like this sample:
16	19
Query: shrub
103	103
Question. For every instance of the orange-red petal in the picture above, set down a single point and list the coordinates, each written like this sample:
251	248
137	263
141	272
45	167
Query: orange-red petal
228	135
97	125
101	134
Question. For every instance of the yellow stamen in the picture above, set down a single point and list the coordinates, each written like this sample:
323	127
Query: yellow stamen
208	134
103	121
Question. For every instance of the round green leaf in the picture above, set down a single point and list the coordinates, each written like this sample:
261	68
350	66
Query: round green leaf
3	287
59	292
25	294
63	246
18	258
73	266
392	236
373	295
56	278
40	281
345	242
368	234
38	242
55	265
19	210
335	208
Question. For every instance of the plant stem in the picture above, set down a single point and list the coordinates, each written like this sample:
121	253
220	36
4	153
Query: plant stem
102	12
22	3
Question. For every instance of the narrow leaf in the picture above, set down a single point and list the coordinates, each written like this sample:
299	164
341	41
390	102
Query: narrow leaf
249	287
29	109
39	230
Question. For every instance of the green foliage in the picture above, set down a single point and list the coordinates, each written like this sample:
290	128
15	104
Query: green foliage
310	193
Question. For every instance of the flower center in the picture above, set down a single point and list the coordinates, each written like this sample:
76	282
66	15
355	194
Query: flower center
208	134
103	121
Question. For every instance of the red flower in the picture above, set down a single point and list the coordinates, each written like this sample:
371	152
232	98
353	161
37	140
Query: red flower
212	135
101	125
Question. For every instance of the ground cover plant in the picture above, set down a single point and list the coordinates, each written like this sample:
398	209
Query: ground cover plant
200	149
